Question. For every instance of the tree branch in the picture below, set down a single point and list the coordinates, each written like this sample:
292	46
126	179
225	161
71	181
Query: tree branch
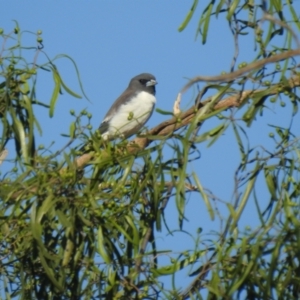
251	67
168	127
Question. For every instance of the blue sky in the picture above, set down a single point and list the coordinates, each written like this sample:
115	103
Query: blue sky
112	41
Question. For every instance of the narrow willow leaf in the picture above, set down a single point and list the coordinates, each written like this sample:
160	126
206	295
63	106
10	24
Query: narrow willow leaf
68	251
285	67
241	279
45	207
294	14
209	134
246	195
135	232
127	171
270	180
101	246
55	93
25	87
164	112
31	122
217	134
219	7
179	265
232	212
206	22
277	5
122	230
68	90
63	218
48	270
295	107
111	279
204	196
72	130
19	133
206	109
250	114
77	71
289	208
240	143
232	9
188	16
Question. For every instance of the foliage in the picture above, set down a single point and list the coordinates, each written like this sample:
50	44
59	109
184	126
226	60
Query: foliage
72	231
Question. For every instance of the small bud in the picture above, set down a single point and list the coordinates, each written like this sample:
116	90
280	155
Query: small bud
130	116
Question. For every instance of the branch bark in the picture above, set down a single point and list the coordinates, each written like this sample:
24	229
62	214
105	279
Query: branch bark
168	127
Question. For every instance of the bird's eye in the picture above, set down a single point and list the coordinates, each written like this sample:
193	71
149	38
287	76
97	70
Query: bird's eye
143	81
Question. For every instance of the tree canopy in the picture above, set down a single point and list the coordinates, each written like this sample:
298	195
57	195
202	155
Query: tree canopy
87	225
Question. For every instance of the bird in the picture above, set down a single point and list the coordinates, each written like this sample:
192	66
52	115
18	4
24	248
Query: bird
131	110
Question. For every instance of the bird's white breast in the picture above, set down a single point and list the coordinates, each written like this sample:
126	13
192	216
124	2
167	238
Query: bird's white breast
132	116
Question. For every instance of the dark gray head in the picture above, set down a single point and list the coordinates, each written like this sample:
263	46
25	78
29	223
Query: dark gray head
143	82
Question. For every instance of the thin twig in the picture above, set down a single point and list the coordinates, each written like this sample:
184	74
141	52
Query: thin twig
238	73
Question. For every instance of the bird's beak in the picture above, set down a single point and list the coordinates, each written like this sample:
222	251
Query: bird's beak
151	82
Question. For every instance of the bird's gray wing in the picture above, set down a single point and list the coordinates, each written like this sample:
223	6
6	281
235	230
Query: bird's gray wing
103	127
123	99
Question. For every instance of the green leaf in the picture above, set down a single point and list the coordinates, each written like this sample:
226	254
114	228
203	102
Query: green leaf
188	16
135	233
205	18
217	133
219	7
277	5
209	134
271	182
45	207
204	196
244	155
179	265
49	271
296	19
232	8
164	112
77	71
68	90
101	246
245	197
30	121
55	93
19	134
72	130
